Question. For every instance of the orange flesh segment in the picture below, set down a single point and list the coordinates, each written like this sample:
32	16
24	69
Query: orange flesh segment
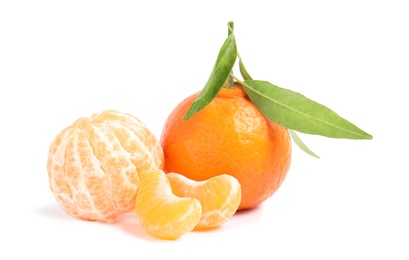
219	196
162	214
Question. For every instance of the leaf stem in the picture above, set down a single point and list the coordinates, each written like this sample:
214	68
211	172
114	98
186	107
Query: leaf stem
230	26
237	79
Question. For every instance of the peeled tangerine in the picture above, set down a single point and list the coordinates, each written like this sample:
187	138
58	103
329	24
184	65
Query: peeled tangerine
94	164
170	205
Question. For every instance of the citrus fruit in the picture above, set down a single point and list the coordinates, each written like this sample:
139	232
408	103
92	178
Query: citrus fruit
219	196
228	136
93	164
163	214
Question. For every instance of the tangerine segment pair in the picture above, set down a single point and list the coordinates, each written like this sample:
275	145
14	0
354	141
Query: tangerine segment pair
93	164
170	205
219	196
163	214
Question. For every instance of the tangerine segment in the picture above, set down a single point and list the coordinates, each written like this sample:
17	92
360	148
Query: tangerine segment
93	164
135	137
162	214
219	196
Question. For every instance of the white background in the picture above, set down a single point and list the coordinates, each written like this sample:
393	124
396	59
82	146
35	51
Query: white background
61	60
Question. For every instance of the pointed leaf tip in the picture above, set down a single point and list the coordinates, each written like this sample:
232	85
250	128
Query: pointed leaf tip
295	111
243	71
221	70
297	140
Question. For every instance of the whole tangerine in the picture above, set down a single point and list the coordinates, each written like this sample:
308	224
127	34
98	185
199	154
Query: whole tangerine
228	136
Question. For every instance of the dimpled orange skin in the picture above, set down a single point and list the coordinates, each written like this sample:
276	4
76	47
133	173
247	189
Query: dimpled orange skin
230	135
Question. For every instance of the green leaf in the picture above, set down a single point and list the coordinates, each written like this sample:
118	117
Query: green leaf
221	70
243	71
300	143
295	111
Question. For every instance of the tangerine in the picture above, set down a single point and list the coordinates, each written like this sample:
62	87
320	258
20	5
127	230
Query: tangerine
228	136
94	164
